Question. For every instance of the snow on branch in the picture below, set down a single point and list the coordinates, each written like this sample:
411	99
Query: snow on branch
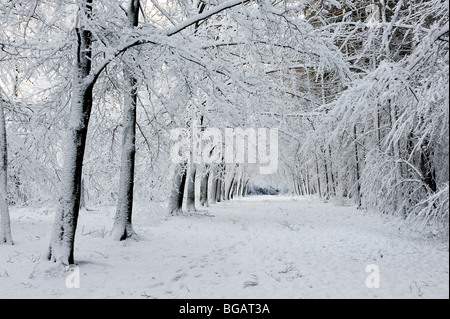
146	36
205	15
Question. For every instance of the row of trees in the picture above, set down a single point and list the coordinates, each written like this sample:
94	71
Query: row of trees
180	61
384	140
90	88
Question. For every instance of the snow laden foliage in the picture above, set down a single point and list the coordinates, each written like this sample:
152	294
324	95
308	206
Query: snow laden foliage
36	86
190	62
357	89
387	134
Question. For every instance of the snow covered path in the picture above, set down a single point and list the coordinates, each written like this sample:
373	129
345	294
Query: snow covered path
256	247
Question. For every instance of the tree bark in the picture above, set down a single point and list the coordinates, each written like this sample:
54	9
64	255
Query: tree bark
63	236
241	185
357	168
177	194
327	180
237	185
296	186
245	191
123	227
333	184
318	178
397	200
5	223
223	185
82	197
219	184
190	189
204	192
426	166
308	185
230	188
212	186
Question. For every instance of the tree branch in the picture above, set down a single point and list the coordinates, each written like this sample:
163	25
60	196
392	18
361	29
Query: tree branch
206	14
139	39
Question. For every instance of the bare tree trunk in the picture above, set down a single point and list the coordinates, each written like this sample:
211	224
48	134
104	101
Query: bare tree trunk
190	189
5	224
224	184
237	185
219	184
308	183
303	185
426	166
358	174
63	236
177	194
123	227
297	186
327	180
212	186
398	169
235	191
241	185
218	190
230	188
333	185
204	193
378	129
318	178
245	191
82	197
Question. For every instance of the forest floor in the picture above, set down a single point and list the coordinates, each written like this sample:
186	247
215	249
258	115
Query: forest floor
255	247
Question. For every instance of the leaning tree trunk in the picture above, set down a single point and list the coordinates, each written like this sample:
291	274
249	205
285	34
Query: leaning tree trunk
245	191
204	184
123	228
63	236
241	185
5	224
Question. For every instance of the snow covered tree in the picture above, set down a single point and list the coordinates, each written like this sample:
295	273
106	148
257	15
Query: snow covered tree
358	91
5	224
383	148
63	237
175	201
123	228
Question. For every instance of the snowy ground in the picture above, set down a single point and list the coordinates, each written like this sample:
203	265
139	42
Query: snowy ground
256	247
